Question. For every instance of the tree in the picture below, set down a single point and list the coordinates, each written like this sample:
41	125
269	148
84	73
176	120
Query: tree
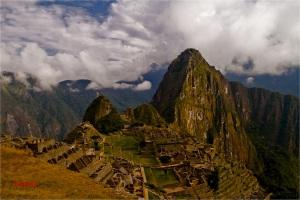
165	159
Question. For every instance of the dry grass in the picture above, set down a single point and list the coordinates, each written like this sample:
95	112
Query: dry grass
54	182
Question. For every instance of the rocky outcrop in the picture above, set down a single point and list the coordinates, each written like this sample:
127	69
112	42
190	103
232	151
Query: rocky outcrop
98	109
103	116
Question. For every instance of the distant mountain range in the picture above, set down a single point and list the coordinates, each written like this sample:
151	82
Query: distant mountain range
53	114
287	83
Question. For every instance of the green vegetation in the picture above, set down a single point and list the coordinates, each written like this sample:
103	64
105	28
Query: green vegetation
124	142
147	114
148	161
104	117
46	113
211	134
165	159
127	147
213	180
150	177
163	179
110	123
280	169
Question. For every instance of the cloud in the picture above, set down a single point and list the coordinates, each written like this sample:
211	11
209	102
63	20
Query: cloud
74	90
5	79
146	85
122	85
57	42
22	77
93	86
250	80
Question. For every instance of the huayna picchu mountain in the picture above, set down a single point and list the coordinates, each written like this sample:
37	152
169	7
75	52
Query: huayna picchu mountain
252	125
194	97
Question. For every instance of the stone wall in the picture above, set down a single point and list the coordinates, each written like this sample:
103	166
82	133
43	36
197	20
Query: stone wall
92	167
39	144
72	157
171	185
105	170
63	155
53	153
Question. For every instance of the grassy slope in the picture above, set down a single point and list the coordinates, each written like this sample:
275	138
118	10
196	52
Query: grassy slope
54	182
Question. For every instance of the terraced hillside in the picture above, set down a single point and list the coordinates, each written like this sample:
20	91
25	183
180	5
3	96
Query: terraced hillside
235	181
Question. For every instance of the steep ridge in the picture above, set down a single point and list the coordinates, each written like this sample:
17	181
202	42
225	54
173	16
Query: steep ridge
252	125
42	114
275	114
194	97
271	121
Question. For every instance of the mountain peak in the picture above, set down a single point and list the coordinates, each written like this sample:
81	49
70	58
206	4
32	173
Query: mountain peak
189	55
98	109
195	98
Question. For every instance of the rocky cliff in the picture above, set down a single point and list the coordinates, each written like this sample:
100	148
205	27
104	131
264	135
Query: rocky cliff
194	97
276	116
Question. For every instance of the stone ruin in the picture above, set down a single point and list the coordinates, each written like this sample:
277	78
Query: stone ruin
69	156
127	178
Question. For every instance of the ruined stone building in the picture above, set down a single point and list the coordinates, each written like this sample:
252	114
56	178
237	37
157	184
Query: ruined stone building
127	178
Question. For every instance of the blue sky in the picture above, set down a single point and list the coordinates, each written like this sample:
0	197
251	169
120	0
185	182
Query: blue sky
97	9
109	41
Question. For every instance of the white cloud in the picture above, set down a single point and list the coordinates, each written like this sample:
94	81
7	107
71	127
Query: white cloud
74	90
93	86
5	79
122	85
250	80
146	85
56	43
22	77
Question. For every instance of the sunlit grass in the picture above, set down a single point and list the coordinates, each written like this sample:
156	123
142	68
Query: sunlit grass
54	182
